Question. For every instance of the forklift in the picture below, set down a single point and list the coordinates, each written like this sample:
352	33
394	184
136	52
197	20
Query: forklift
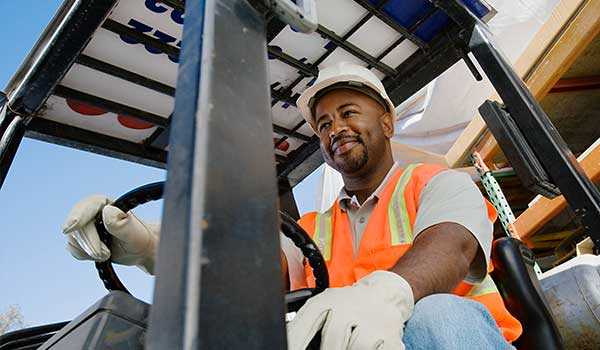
218	112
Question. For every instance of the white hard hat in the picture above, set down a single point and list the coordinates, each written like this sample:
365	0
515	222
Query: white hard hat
342	75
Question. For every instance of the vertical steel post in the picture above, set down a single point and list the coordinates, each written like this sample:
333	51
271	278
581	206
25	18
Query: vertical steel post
218	270
12	129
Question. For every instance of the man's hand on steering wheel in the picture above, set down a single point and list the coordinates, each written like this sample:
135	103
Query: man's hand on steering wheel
134	241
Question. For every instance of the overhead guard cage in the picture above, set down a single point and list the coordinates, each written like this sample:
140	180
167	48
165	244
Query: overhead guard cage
218	282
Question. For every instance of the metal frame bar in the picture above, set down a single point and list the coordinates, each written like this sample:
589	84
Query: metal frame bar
124	74
85	140
287	202
158	139
414	74
307	69
12	129
294	129
110	106
217	267
408	33
303	161
389	49
176	4
290	133
69	32
355	51
122	29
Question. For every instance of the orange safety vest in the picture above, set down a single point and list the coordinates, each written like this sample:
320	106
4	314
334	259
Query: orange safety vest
388	235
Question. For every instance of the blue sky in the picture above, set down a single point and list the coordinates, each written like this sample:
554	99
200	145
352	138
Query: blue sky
45	181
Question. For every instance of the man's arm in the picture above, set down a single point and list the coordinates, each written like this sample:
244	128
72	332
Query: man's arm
453	237
439	259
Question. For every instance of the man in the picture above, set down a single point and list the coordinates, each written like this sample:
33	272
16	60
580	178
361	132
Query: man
397	241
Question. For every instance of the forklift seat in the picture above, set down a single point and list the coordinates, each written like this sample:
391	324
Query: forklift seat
523	296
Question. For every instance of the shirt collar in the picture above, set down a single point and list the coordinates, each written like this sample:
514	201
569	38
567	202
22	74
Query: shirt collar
346	201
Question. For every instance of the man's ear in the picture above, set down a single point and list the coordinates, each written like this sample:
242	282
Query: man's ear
387	124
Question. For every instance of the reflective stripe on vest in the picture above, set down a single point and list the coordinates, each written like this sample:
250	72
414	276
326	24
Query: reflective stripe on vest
399	221
400	227
323	232
486	286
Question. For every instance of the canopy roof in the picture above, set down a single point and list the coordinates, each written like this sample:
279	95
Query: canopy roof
108	85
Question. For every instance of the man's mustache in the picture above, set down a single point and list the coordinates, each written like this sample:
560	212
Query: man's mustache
342	138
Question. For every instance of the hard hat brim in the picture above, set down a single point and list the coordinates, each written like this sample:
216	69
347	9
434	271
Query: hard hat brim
303	102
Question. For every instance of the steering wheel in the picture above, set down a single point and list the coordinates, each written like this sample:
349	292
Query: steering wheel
290	228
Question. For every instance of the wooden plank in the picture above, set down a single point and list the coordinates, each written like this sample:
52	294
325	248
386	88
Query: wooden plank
569	85
526	68
544	209
546	73
408	154
555	236
570	45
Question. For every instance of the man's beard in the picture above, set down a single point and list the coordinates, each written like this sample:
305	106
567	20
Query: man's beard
353	164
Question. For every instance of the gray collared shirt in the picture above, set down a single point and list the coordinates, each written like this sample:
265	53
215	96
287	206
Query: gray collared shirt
358	213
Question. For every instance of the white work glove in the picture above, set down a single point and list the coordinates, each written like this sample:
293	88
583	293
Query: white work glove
134	241
370	314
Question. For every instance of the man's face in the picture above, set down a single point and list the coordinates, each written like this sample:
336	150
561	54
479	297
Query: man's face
353	128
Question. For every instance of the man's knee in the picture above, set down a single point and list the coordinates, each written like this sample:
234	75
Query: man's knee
446	321
439	307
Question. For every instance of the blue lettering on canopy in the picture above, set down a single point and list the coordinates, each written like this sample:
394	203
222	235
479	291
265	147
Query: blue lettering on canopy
152	5
177	16
140	27
162	36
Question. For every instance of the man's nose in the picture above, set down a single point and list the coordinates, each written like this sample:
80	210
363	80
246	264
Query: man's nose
338	127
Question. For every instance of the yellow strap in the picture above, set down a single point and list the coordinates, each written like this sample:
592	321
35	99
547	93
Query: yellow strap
323	233
397	213
487	286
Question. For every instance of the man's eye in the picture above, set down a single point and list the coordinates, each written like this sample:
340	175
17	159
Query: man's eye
323	126
349	113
